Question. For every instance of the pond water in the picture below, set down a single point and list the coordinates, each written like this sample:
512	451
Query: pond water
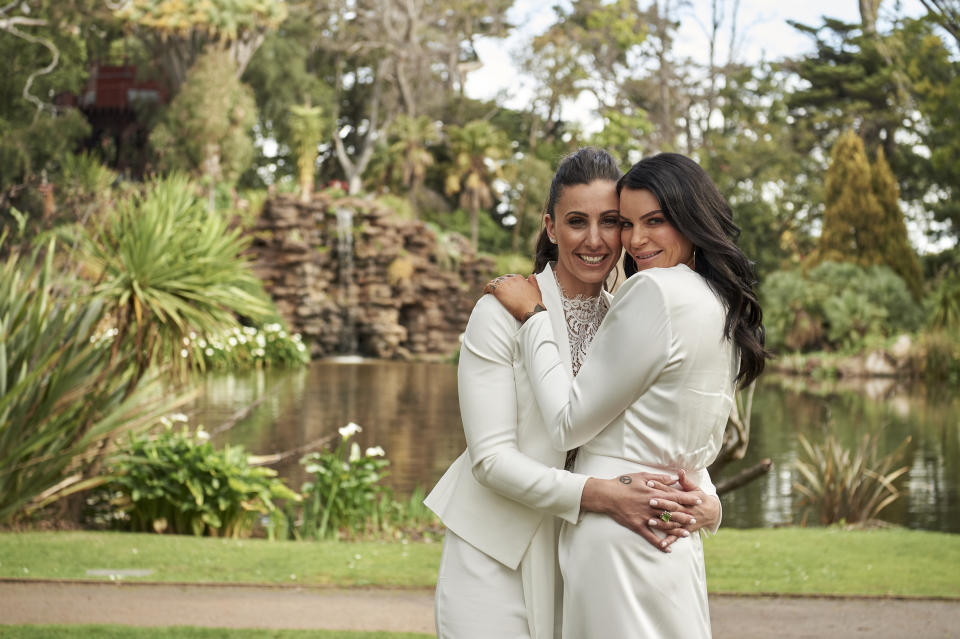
410	409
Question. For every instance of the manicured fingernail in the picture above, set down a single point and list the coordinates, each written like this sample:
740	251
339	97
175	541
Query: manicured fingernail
663	544
692	520
699	501
652	522
669	550
684	533
650	483
653	502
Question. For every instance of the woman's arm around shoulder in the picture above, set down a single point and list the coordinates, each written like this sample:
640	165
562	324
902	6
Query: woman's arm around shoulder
628	353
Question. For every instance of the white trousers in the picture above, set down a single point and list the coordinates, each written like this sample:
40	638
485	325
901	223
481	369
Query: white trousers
477	597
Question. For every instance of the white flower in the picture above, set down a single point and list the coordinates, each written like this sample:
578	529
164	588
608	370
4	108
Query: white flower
186	341
354	452
232	341
261	341
349	430
193	335
202	343
375	451
209	352
202	435
178	417
183	353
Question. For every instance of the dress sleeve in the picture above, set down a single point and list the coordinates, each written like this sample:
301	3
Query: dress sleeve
488	408
628	353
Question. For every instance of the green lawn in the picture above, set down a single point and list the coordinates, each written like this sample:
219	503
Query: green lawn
186	632
832	561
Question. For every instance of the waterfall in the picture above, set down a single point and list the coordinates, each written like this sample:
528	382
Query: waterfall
346	289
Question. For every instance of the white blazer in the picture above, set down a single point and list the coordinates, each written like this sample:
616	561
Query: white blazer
510	478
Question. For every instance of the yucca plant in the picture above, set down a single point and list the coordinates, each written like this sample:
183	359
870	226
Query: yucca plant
848	485
61	394
164	266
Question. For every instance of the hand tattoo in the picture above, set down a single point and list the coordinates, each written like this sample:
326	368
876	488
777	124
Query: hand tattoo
625	480
492	284
536	309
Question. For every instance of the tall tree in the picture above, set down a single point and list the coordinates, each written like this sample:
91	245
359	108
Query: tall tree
853	217
934	176
477	149
388	57
208	128
898	254
947	15
44	46
179	31
410	139
307	130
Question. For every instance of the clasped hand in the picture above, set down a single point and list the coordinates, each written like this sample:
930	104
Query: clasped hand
638	501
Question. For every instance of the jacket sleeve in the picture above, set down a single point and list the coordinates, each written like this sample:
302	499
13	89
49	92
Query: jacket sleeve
488	408
627	355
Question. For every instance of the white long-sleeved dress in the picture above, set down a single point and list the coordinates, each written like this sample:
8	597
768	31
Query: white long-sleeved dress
653	395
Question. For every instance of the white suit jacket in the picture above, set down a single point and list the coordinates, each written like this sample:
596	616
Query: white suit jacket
510	477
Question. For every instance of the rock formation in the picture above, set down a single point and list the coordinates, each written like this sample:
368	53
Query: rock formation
393	288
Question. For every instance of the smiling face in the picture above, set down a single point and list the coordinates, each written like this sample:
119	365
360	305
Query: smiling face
647	236
586	225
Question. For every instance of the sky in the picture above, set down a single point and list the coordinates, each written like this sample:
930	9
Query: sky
762	26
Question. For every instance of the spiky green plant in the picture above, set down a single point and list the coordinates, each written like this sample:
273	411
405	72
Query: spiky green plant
61	394
847	485
165	265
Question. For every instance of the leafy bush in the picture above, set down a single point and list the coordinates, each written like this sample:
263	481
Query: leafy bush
175	481
246	347
836	306
345	496
843	485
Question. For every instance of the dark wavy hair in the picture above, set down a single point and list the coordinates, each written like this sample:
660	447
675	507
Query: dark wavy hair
580	167
694	206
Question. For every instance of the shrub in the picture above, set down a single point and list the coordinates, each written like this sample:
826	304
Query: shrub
836	306
175	481
844	485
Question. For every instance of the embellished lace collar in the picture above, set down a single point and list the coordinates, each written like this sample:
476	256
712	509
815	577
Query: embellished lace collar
583	315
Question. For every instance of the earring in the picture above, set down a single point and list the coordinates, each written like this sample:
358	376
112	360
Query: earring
553	240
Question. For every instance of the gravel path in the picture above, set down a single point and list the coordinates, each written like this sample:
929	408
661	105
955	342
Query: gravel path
411	610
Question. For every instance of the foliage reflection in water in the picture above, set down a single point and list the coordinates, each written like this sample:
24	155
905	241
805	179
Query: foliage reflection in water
410	409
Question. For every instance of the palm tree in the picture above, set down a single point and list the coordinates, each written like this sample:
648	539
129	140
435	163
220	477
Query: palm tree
411	137
307	129
476	148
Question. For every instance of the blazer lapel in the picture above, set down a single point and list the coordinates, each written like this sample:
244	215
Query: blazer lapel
551	299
